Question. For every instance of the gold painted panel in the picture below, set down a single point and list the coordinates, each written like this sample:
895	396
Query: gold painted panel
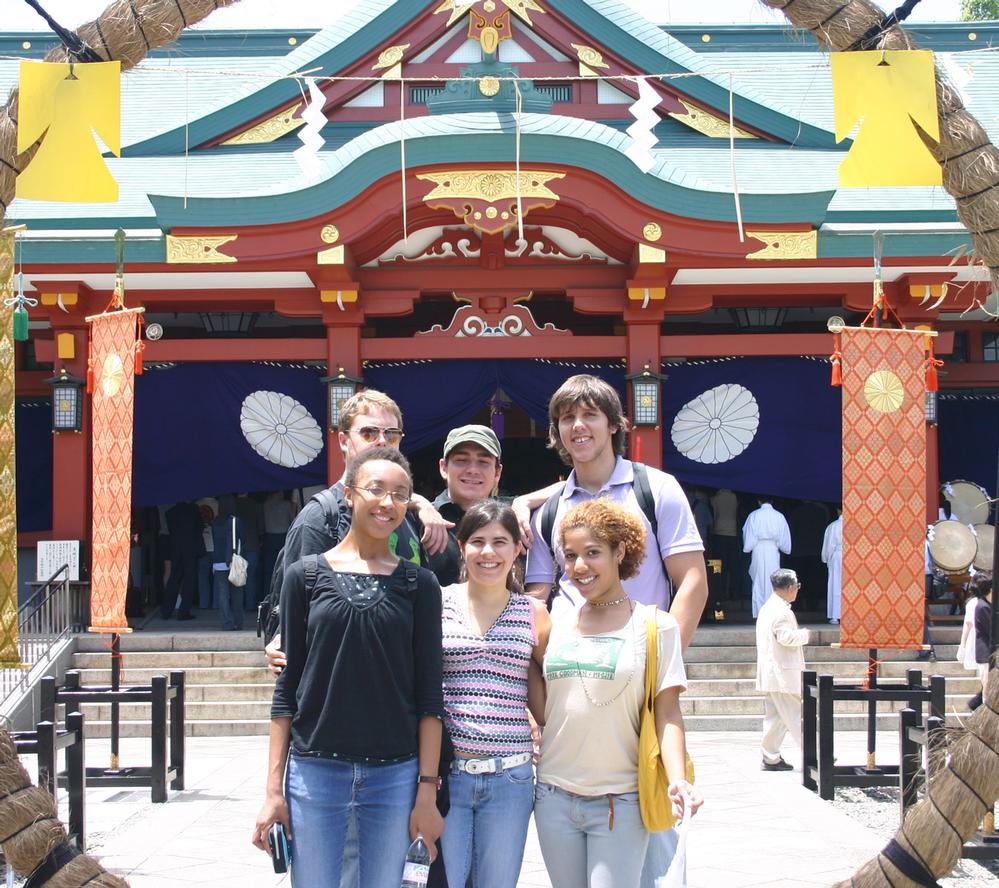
269	130
785	244
198	250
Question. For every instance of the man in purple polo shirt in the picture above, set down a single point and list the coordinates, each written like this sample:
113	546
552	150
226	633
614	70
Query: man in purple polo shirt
588	429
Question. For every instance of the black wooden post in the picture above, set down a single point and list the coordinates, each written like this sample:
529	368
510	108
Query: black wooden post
936	742
826	772
808	717
45	732
76	777
115	686
177	729
158	732
47	695
908	759
938	696
872	710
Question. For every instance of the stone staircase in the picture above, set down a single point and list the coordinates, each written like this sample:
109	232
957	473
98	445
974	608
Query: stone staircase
228	687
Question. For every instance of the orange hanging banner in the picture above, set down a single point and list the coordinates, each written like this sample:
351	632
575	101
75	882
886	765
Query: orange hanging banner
884	487
112	365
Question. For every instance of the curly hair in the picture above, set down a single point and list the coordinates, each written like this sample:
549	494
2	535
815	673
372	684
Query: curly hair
611	524
388	454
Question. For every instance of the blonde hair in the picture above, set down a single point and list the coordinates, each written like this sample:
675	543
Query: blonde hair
364	401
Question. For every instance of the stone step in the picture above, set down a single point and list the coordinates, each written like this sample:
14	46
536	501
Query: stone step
734	687
813	654
165	640
753	705
230	710
715	723
170	659
194	676
841	669
214	728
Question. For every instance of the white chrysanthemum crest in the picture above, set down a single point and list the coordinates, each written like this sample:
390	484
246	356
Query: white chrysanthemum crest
717	425
280	429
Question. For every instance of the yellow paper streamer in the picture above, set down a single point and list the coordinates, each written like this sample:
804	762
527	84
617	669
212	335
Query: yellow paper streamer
9	655
889	93
64	105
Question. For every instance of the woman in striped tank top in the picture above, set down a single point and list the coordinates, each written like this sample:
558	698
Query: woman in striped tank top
492	632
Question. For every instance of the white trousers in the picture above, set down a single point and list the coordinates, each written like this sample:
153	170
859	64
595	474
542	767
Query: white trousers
781	716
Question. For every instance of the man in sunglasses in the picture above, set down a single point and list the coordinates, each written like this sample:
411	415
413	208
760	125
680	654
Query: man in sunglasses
368	419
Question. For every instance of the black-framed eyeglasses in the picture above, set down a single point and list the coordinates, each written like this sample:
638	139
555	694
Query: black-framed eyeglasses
401	497
370	434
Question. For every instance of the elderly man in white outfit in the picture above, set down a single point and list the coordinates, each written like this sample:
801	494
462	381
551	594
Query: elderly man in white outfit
832	555
779	664
766	534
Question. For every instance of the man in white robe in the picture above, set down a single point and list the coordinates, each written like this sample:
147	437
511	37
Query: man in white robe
832	555
766	534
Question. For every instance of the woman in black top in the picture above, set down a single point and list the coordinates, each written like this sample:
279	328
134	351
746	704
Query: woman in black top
356	717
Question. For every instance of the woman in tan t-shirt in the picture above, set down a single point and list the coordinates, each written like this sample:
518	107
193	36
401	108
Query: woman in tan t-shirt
586	799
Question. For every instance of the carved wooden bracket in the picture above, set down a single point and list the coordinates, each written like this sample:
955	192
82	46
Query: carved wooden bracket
492	314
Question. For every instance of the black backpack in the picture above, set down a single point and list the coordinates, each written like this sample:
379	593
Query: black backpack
269	609
647	502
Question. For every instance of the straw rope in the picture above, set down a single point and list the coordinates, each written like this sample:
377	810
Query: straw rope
970	162
125	31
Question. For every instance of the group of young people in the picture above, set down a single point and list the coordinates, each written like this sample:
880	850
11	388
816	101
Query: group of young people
382	663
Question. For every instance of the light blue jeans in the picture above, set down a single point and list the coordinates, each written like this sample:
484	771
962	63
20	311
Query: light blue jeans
230	600
323	794
486	827
579	848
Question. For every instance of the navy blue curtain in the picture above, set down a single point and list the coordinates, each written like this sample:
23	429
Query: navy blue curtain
795	450
188	437
438	396
33	443
969	438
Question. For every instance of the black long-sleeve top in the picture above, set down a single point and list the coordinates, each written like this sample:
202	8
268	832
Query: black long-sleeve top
364	662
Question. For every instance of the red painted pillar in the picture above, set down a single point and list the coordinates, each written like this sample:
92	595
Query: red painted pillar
71	475
932	473
642	334
343	349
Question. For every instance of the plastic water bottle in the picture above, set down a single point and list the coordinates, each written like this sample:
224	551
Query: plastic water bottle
417	869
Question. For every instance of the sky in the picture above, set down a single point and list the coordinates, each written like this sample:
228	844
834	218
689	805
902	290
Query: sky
16	15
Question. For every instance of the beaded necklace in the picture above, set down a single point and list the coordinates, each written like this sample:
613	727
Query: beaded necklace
579	671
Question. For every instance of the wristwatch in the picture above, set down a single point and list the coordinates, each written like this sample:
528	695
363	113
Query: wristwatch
435	780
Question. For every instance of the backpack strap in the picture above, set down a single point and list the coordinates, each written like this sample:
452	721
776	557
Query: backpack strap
412	579
311	564
647	503
331	501
548	511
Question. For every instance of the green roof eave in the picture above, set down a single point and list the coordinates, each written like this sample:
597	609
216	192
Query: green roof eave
603	31
280	92
92	251
350	181
859	244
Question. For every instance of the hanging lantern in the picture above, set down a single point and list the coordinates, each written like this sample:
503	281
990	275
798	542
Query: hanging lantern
645	397
340	388
67	402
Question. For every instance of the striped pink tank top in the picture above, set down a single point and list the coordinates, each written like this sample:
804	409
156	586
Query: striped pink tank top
485	679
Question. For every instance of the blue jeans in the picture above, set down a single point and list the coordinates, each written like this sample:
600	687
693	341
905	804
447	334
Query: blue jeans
230	600
486	827
579	848
323	794
205	582
662	847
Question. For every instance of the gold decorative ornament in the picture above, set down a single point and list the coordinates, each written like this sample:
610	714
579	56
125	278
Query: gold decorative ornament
112	374
271	129
589	56
785	244
647	254
652	231
333	256
521	8
491	185
489	6
883	390
457	10
489	86
389	57
330	234
198	249
707	123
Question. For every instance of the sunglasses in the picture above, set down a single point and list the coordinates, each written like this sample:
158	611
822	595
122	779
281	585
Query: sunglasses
370	434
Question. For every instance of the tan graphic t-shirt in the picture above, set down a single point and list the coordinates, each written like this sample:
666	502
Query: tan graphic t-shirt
592	749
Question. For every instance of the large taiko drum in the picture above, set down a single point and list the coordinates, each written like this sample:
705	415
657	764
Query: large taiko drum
953	546
969	503
986	540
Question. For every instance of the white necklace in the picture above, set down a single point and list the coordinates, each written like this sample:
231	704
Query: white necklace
579	672
608	603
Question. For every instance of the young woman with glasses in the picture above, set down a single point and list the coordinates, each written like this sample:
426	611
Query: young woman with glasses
492	633
586	802
355	722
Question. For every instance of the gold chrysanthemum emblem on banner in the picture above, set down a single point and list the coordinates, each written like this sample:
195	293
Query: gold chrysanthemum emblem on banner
883	391
112	375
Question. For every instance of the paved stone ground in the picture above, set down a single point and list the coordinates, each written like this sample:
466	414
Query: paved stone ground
755	829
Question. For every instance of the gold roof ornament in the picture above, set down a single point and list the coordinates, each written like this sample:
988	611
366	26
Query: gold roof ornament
486	24
589	58
707	123
390	61
330	234
652	231
271	129
785	244
198	249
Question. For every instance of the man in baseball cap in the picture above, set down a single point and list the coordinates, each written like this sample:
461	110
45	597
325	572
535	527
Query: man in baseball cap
471	467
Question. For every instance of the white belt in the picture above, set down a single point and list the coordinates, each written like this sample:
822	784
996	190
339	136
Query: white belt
492	766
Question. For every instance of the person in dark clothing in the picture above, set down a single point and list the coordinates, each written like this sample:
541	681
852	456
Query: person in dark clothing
186	547
356	717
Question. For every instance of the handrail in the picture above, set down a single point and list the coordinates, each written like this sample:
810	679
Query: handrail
45	620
